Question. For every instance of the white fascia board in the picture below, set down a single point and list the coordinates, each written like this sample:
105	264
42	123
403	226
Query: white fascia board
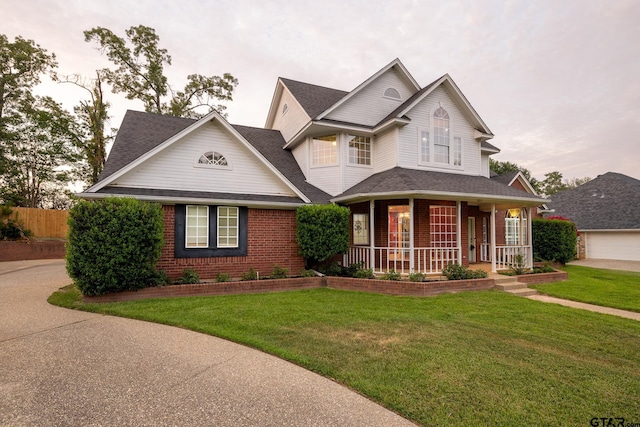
193	200
362	85
482	136
298	136
332	126
523	179
458	94
610	230
395	121
275	99
525	201
154	151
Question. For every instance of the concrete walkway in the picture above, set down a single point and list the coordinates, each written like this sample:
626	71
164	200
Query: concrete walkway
62	367
590	307
608	264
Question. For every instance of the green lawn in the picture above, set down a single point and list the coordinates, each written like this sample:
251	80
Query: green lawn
610	288
472	358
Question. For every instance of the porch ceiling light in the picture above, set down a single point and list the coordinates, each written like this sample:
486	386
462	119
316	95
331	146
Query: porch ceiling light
514	213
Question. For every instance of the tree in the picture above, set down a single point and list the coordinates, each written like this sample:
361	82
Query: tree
43	153
552	183
322	231
500	168
21	65
93	116
140	74
576	182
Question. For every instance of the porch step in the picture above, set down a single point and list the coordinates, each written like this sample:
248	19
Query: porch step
511	285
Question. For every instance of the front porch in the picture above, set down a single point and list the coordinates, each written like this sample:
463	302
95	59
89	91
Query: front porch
421	235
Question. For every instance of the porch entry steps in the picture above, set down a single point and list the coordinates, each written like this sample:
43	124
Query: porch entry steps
511	285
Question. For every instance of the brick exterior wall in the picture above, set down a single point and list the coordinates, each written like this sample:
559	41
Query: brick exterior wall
271	241
32	249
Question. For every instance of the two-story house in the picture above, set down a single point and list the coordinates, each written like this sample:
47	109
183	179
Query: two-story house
410	162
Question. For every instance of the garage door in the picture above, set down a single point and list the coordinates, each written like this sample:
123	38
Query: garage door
609	245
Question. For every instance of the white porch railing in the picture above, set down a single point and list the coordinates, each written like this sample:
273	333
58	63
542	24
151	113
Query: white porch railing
427	260
506	256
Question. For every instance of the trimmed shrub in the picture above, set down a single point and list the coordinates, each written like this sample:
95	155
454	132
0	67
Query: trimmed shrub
114	244
391	275
417	277
459	272
364	273
250	275
279	272
188	277
322	231
307	273
554	240
222	277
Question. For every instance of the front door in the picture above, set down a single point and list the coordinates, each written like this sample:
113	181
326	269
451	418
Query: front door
472	239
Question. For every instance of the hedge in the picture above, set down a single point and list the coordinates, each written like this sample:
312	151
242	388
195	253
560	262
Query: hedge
114	245
554	240
322	231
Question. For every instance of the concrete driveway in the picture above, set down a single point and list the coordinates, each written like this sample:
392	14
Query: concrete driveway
60	367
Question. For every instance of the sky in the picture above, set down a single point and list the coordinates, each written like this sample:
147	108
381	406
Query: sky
556	81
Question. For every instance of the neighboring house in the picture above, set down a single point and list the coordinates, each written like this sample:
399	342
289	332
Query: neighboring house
606	212
410	162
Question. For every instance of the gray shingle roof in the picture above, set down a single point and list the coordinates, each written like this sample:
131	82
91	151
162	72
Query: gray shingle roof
141	132
314	99
400	180
608	202
180	194
505	178
395	113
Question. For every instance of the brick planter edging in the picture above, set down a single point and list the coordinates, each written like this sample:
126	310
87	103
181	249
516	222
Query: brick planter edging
534	279
32	249
388	287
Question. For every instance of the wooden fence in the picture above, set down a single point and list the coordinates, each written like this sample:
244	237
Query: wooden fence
47	223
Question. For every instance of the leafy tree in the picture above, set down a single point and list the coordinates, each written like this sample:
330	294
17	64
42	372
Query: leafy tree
42	153
552	183
93	116
22	63
500	168
140	74
576	182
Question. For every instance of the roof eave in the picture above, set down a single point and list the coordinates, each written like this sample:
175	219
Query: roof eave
487	198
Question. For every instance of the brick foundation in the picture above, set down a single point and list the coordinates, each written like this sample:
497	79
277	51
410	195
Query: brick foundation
32	249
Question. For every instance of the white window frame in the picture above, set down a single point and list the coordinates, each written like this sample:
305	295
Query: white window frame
198	227
363	147
401	238
428	150
443	234
360	229
325	160
213	165
391	92
228	227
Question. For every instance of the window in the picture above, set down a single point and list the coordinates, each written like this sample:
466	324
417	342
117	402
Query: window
424	147
227	227
213	158
197	227
285	108
359	150
392	93
515	227
443	226
360	229
399	219
324	150
441	136
210	231
457	151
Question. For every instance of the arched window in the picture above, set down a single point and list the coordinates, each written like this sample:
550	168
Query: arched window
213	158
392	93
441	135
515	227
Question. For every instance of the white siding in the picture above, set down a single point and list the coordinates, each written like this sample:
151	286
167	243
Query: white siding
301	154
613	245
421	117
485	169
174	167
290	123
368	106
328	178
385	151
353	174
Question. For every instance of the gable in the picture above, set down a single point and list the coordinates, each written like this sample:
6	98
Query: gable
374	101
288	116
176	167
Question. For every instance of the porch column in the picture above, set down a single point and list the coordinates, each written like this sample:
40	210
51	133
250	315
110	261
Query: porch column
459	228
411	240
372	235
530	237
493	238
